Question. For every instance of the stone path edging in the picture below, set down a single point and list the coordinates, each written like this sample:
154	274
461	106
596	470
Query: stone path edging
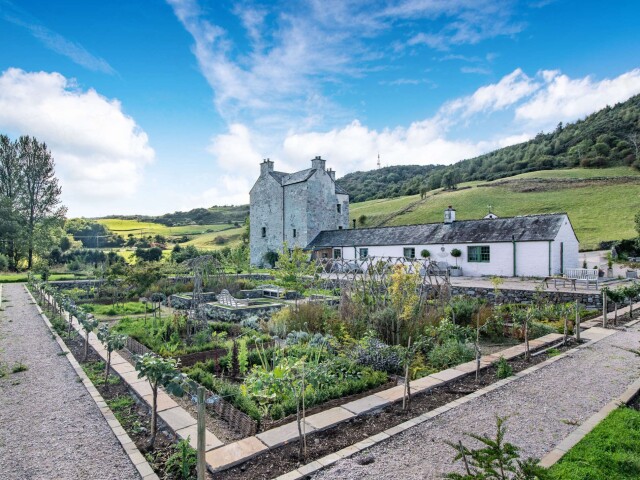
593	335
574	437
137	459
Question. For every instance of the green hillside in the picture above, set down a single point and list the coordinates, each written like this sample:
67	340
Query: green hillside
601	203
607	138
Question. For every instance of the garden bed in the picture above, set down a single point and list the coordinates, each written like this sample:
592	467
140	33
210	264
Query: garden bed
133	414
284	459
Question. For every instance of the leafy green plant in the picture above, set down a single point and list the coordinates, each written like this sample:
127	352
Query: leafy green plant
111	340
553	352
450	353
19	367
88	323
504	370
495	460
159	372
182	463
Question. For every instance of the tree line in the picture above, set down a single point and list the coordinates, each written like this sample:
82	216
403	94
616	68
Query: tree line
31	214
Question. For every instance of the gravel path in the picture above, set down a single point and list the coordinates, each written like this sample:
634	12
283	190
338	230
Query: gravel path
542	409
49	425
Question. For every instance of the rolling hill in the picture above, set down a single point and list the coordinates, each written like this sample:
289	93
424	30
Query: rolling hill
601	203
607	138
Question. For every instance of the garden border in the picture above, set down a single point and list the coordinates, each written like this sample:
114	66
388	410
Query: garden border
137	459
578	434
597	334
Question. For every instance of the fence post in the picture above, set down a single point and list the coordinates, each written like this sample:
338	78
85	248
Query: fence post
604	309
202	466
577	325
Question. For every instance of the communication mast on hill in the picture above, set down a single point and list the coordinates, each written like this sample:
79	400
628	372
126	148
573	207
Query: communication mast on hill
378	160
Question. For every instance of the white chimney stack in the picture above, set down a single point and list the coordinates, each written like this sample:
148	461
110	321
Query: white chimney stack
449	215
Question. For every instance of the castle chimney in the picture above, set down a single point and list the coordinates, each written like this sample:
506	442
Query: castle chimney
266	166
449	215
332	174
318	163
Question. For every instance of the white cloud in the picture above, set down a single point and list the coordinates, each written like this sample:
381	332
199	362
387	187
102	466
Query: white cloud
100	151
497	96
567	99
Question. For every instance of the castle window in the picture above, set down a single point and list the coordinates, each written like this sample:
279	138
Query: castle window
295	233
339	208
264	232
340	227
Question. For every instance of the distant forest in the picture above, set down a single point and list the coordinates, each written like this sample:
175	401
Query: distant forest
609	137
198	216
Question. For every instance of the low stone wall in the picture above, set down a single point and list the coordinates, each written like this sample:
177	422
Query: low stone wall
181	301
591	300
255	293
229	314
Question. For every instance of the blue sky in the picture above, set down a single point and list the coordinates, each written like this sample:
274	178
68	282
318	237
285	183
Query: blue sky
152	106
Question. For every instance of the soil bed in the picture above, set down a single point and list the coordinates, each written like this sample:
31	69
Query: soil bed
284	459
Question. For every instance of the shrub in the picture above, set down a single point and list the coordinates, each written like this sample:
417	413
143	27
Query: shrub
376	354
538	329
464	308
4	262
504	370
450	353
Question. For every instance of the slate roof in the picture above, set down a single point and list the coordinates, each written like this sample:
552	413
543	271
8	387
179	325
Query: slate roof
528	228
301	176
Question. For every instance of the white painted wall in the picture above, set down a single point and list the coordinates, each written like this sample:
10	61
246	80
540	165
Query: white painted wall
532	258
568	238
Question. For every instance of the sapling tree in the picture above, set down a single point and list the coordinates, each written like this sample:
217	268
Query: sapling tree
112	341
495	460
524	318
88	323
159	372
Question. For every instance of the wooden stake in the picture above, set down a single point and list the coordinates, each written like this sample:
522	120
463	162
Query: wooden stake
604	309
201	466
577	326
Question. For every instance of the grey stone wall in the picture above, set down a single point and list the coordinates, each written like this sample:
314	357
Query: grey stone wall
265	211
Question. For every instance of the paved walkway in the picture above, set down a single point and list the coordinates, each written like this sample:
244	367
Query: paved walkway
542	408
50	428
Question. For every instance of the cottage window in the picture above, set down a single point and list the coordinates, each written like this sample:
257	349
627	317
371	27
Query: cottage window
339	207
363	253
410	252
337	253
295	233
264	232
479	254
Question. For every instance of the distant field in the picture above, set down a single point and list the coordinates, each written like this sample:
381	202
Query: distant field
206	241
126	227
599	210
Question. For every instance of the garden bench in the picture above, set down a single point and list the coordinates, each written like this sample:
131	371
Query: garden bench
574	275
225	298
272	291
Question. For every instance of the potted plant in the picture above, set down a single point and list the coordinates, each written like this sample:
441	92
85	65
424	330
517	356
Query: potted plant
456	271
425	253
609	265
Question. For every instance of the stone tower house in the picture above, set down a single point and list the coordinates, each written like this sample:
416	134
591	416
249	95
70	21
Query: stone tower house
294	208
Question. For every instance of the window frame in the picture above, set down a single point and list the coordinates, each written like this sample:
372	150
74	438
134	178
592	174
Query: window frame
337	254
360	253
295	233
339	207
479	255
412	254
264	232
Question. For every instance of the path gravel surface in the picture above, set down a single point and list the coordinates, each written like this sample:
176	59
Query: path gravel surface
542	409
50	428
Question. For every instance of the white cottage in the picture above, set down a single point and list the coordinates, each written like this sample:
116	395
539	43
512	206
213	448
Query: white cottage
530	245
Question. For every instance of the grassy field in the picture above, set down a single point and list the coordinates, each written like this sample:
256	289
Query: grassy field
599	210
610	451
125	227
206	241
23	277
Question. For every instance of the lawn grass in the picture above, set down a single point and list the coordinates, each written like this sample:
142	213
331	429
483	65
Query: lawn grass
23	277
590	208
610	451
